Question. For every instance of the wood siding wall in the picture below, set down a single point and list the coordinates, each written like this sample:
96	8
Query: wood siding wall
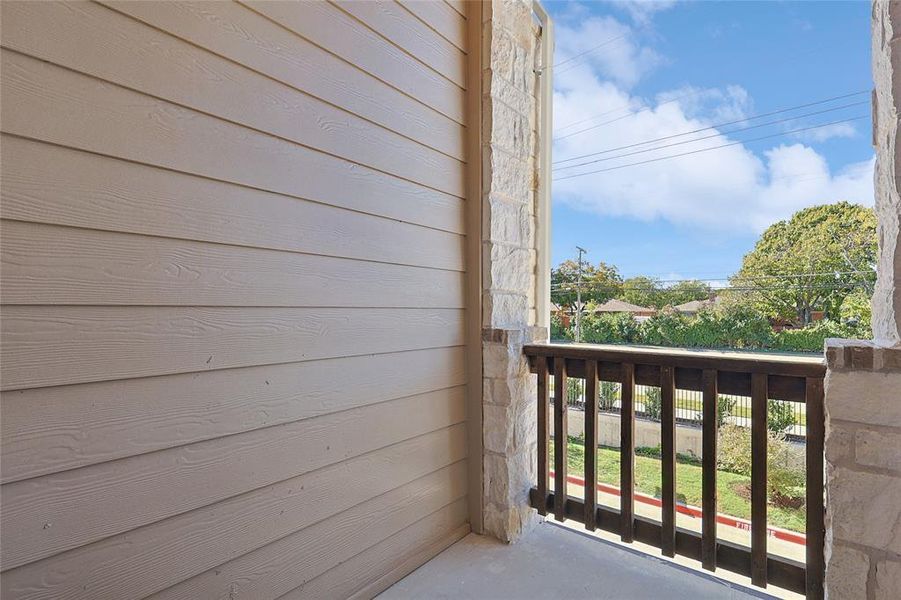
233	288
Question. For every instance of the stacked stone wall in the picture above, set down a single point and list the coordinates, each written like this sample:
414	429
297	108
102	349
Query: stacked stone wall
509	186
863	471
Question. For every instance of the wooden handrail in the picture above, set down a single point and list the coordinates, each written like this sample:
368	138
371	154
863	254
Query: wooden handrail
771	363
762	376
785	373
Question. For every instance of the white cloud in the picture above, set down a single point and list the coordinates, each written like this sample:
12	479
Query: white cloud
641	11
600	45
731	103
732	187
822	134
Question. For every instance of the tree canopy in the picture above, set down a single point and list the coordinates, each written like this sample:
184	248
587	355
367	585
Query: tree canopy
686	291
650	292
811	261
600	283
643	291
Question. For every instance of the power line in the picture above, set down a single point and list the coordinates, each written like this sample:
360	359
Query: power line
780	288
757	139
626	116
779	276
766	114
706	137
626	107
668	137
590	50
591	118
772	285
709	277
570	286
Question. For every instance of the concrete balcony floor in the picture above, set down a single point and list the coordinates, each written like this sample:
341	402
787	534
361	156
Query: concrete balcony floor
555	561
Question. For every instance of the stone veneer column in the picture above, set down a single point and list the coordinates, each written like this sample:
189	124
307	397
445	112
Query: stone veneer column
508	265
886	104
863	471
863	383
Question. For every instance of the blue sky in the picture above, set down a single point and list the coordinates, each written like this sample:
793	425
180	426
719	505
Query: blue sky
670	67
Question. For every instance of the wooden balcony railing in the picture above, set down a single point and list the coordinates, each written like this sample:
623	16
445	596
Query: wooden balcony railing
760	376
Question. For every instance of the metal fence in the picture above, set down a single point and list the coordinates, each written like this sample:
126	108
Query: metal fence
782	416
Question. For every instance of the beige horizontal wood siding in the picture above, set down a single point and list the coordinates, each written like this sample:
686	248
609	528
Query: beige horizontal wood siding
233	289
235	32
46	430
151	558
442	18
54	184
47	264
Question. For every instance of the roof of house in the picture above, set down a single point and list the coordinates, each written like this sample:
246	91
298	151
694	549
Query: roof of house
615	305
694	306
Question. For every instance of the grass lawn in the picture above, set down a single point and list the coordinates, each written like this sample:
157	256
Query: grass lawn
688	483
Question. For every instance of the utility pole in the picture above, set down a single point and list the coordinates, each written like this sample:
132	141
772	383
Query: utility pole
579	296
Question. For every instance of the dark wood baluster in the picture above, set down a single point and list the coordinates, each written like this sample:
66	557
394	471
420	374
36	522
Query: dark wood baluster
543	440
758	478
627	456
560	438
708	477
816	529
591	443
668	462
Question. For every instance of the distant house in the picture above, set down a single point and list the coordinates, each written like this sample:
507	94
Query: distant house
693	307
619	306
779	324
563	314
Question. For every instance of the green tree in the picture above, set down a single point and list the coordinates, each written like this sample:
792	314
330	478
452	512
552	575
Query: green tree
856	312
600	283
643	291
810	262
685	291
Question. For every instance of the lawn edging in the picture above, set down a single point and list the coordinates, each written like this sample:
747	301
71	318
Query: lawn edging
692	511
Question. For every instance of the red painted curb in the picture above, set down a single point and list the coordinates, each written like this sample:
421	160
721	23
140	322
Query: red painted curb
691	511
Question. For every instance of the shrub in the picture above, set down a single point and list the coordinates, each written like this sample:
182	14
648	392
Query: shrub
737	326
666	328
734	450
724	407
625	328
743	327
779	416
786	471
610	328
607	395
574	391
652	403
810	338
558	331
785	463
